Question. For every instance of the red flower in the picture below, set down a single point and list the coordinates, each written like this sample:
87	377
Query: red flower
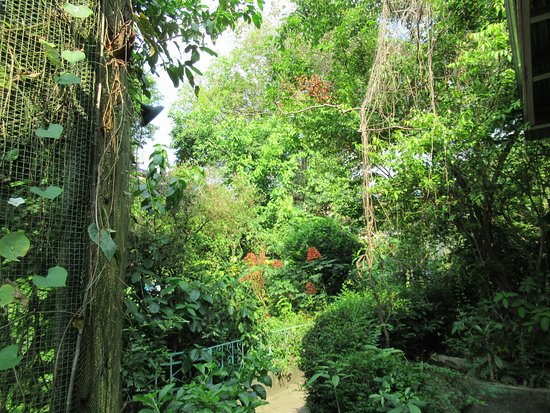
250	258
310	288
277	264
313	254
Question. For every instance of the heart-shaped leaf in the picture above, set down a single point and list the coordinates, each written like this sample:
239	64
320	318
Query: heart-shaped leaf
16	201
7	294
9	357
73	56
57	277
54	131
14	245
50	192
67	78
79	12
103	239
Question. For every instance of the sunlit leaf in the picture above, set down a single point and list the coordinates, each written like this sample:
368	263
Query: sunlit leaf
14	245
73	56
54	131
16	201
79	12
7	294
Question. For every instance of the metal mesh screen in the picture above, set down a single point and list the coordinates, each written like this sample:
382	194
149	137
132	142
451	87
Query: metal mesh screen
44	323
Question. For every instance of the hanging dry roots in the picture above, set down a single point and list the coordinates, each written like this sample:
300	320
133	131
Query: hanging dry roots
400	23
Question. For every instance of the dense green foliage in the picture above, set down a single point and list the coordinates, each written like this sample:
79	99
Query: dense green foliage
347	371
460	262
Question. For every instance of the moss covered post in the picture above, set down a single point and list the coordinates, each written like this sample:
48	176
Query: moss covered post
99	384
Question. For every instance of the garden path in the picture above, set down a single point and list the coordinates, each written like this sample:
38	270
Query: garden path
289	398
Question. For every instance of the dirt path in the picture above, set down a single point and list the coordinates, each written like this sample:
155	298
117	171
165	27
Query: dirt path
289	398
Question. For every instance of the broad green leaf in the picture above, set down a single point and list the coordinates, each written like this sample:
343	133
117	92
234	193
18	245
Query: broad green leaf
54	131
14	245
79	12
9	357
132	307
260	391
103	239
67	78
73	56
11	155
50	192
6	294
266	380
57	277
413	408
194	295
335	380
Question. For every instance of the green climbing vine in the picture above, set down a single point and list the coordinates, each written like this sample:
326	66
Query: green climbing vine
15	244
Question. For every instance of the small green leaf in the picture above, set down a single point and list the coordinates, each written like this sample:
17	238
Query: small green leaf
335	381
103	239
73	56
54	131
79	12
521	312
14	245
545	323
57	277
67	78
194	295
52	54
6	295
9	357
50	192
11	155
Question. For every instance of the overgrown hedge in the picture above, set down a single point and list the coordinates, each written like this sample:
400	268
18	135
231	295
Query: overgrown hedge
347	372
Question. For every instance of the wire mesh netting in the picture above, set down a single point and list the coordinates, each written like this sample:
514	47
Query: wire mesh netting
44	196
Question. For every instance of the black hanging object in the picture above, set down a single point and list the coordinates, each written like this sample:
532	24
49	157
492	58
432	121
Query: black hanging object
148	113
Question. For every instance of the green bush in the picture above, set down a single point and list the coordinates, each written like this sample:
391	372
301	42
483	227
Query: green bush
346	372
335	243
347	326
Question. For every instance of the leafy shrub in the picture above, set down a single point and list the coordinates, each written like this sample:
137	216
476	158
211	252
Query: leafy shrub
344	367
223	390
335	243
345	327
506	339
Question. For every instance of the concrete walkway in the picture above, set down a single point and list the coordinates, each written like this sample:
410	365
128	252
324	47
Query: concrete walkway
290	399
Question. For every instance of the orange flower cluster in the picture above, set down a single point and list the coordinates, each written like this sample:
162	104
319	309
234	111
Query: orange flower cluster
316	87
277	264
250	259
310	288
313	254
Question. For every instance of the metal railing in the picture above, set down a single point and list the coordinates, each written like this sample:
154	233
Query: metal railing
229	354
